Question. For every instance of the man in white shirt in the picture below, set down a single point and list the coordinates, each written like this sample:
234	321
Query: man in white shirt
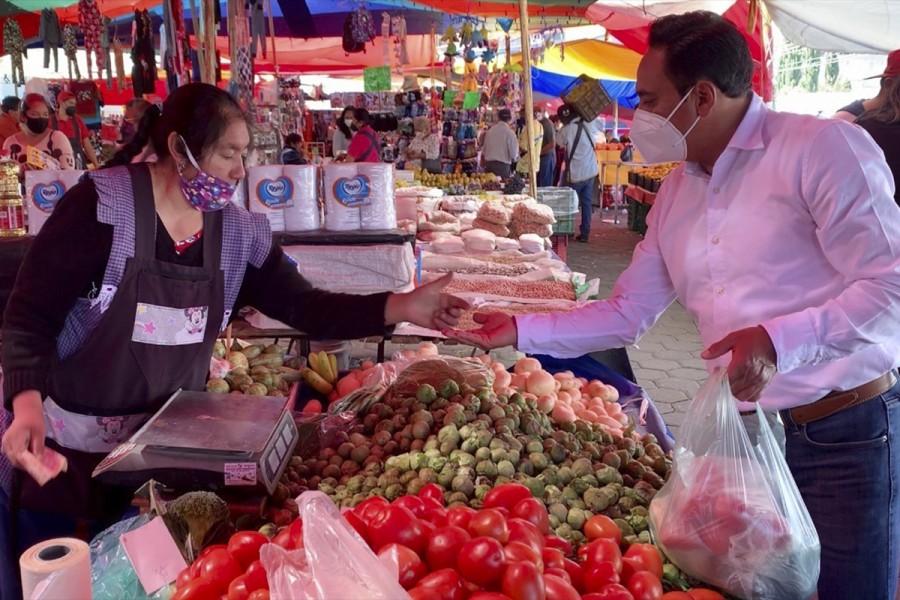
577	137
501	148
780	236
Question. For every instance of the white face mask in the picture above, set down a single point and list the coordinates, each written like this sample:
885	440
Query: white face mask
657	139
348	122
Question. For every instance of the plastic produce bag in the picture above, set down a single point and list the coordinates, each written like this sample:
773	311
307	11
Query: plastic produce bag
731	513
335	562
112	576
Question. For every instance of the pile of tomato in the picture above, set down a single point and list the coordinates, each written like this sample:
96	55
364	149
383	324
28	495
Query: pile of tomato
502	552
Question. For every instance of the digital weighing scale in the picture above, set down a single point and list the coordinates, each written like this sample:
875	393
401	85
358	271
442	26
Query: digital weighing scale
201	440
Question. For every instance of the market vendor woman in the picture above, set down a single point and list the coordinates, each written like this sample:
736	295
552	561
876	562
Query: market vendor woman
94	333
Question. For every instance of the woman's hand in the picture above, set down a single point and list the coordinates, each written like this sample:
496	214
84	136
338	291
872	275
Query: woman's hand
27	429
427	306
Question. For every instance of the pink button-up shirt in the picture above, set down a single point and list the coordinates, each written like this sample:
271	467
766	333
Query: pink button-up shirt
795	230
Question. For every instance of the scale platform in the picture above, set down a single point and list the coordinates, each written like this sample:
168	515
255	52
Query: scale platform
201	440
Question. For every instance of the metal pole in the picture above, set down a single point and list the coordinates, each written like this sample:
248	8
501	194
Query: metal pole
616	118
433	55
272	33
529	99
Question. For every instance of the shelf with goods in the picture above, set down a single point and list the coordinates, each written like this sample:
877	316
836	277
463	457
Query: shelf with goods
459	139
640	194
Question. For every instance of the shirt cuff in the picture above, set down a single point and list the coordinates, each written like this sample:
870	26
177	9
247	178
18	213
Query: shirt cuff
15	382
530	331
794	339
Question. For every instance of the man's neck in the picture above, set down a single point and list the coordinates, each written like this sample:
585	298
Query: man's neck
734	113
62	116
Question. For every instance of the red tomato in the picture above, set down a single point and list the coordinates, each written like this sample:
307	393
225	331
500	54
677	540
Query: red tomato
599	576
613	591
576	574
183	578
644	585
526	532
206	551
220	568
414	504
503	511
603	550
460	516
431	503
433	491
705	594
559	589
533	510
444	546
397	525
553	558
419	594
259	595
198	562
647	555
523	581
481	560
600	526
198	589
561	573
445	584
519	552
256	577
489	523
676	596
368	508
296	529
411	566
436	516
489	596
244	546
283	538
237	590
358	524
554	541
506	495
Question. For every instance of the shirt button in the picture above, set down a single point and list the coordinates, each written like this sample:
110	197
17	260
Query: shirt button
715	190
715	241
720	290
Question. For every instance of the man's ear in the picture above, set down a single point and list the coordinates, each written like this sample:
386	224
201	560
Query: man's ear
706	95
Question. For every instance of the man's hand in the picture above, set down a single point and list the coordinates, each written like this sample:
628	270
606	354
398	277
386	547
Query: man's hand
753	361
497	331
27	429
427	306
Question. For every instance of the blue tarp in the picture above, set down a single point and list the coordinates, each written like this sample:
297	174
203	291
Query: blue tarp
553	84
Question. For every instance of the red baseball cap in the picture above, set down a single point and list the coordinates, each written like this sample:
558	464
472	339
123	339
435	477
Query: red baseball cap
63	96
893	66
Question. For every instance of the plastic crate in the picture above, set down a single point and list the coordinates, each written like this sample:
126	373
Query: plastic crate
587	96
563	200
565	224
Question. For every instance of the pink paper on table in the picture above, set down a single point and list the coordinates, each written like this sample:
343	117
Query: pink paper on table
153	554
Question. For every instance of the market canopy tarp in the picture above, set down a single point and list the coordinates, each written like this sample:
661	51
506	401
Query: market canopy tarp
598	59
551	85
863	26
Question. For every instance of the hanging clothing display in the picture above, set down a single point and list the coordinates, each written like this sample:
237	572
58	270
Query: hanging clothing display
70	47
242	56
172	40
14	44
257	27
118	54
105	44
51	34
143	55
91	23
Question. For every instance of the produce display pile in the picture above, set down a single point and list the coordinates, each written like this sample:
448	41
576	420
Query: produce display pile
513	288
255	370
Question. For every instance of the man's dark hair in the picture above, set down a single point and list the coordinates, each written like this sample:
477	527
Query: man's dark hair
505	115
10	103
292	139
702	45
363	116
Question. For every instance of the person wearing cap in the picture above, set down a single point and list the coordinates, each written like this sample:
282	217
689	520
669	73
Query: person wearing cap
582	170
883	124
779	235
72	126
854	110
500	148
9	118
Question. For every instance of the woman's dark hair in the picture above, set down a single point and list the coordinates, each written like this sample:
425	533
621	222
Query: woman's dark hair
30	100
292	139
890	110
702	45
625	139
198	112
363	116
343	126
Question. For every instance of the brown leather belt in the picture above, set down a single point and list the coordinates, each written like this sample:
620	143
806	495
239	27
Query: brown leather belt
835	402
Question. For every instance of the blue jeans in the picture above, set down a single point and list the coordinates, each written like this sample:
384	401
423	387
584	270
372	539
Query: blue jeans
585	190
548	166
847	467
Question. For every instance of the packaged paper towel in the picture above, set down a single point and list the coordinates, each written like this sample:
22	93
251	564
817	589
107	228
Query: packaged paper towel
345	191
43	189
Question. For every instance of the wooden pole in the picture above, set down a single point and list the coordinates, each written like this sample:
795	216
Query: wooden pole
616	118
529	98
272	33
209	35
198	36
433	55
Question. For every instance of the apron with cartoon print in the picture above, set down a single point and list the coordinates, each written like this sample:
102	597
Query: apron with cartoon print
156	337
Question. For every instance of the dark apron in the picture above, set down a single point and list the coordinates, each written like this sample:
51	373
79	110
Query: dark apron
149	343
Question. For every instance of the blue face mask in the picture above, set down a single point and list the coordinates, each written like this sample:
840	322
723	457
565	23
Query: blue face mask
205	192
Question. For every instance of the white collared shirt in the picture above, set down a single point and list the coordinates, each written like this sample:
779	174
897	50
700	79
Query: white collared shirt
582	159
795	230
500	144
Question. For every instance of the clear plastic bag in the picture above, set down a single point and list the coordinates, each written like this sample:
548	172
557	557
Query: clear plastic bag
731	513
112	576
335	562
